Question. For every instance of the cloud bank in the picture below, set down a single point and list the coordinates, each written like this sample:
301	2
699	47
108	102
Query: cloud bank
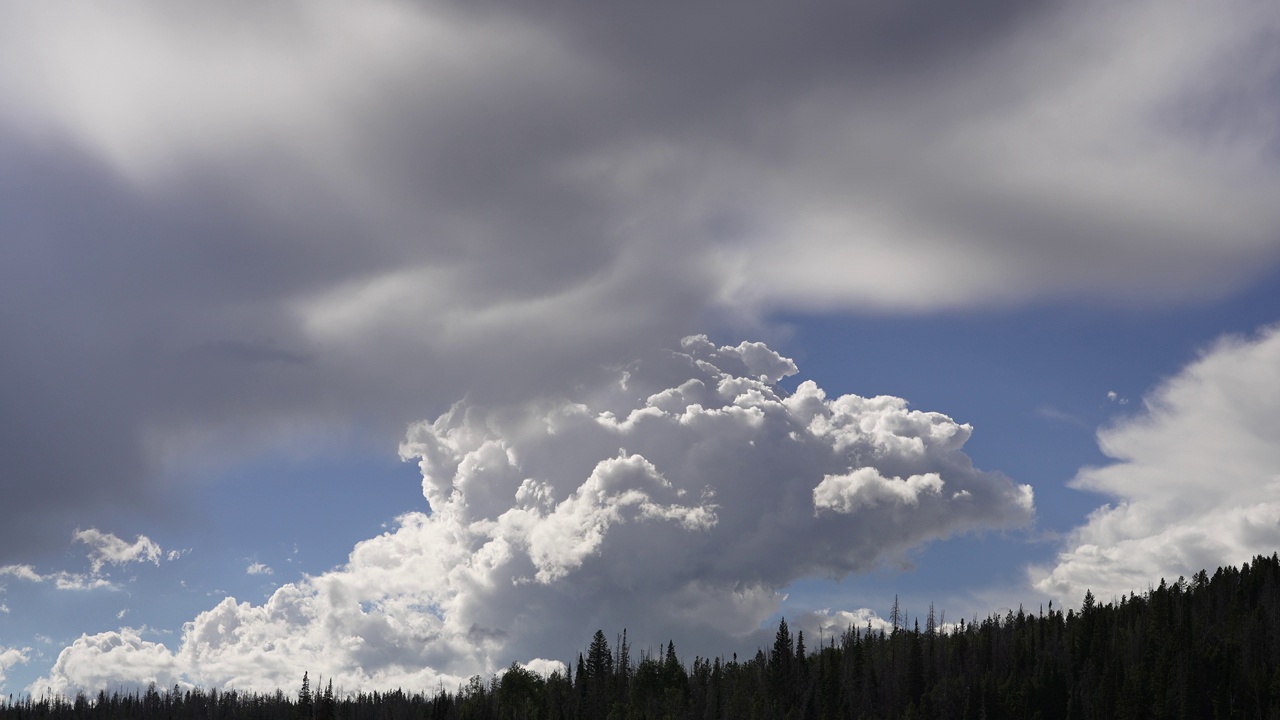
1196	480
236	225
678	497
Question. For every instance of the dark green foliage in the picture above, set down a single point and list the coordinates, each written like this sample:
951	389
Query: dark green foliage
1207	648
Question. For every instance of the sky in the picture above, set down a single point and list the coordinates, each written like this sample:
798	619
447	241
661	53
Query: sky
395	342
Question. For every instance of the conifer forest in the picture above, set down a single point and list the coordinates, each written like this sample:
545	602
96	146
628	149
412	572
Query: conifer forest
1204	647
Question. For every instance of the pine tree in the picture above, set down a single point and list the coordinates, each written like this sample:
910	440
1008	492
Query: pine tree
783	653
326	710
781	664
305	708
599	675
599	660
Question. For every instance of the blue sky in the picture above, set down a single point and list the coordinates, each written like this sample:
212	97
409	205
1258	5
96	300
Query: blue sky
368	340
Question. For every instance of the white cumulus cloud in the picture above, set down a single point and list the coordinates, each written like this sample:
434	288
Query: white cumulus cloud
677	497
257	568
106	548
96	661
866	488
1196	478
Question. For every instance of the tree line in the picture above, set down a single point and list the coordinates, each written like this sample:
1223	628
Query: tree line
1208	647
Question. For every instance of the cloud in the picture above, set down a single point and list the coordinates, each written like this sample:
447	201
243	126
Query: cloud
545	667
1195	482
274	235
834	623
22	572
106	548
62	579
866	488
10	657
93	661
678	497
1026	169
257	568
1048	412
79	582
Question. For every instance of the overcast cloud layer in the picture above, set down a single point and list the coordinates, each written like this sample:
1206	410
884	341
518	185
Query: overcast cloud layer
1196	480
235	225
678	500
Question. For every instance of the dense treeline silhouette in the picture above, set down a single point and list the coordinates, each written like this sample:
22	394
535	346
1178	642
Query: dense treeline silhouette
1204	648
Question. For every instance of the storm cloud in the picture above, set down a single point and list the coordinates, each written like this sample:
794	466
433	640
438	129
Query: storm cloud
234	225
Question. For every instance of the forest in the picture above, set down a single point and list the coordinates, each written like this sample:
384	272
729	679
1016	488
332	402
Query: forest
1207	647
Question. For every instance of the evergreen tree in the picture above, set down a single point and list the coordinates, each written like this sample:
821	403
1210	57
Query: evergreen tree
599	659
305	709
326	706
599	675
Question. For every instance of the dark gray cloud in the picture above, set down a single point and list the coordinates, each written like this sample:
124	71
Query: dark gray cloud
224	223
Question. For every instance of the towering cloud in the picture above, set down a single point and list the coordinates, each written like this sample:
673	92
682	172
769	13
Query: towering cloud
1196	478
678	497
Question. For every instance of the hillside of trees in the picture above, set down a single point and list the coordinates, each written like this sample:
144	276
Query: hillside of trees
1208	647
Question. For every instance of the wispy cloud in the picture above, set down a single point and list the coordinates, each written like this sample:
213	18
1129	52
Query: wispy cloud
80	582
1113	396
62	579
1048	412
21	572
106	548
